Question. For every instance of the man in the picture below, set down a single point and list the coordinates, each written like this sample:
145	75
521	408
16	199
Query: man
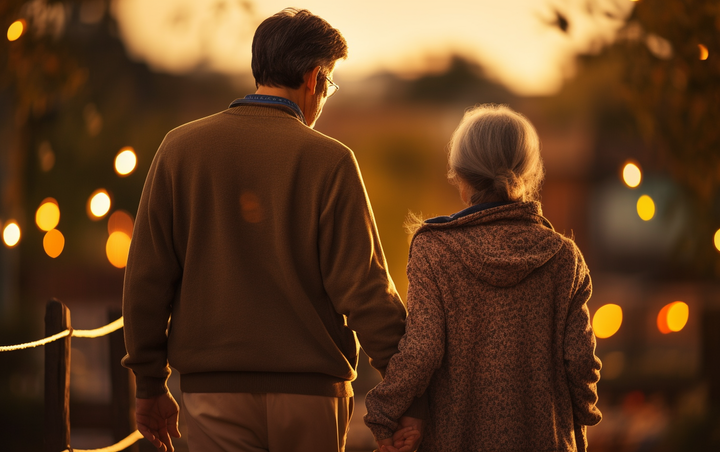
255	258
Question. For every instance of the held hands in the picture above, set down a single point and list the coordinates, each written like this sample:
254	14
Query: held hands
157	420
405	439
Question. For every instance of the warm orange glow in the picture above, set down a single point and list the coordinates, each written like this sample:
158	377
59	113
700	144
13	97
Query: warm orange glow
53	243
250	207
125	161
47	215
646	208
11	234
673	317
632	176
704	54
15	30
607	320
98	204
116	249
717	240
120	221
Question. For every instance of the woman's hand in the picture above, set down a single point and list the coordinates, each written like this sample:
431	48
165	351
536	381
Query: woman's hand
406	438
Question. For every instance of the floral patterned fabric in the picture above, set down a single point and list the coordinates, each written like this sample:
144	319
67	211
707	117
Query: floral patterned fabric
498	334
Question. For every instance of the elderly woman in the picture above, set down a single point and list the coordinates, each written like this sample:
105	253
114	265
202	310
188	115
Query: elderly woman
498	333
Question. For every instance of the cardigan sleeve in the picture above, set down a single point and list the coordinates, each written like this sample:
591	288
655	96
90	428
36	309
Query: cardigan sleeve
151	278
421	349
581	365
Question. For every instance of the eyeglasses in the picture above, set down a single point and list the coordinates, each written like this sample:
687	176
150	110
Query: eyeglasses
332	88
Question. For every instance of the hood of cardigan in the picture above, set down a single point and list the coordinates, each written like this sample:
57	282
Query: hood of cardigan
500	245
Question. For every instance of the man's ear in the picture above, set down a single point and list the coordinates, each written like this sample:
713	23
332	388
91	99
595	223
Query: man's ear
311	79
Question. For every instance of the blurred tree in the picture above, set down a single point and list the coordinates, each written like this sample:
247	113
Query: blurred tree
668	61
668	55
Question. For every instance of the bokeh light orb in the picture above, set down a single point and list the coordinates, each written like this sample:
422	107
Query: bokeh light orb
120	221
704	54
15	30
125	161
11	234
53	243
607	320
646	208
48	215
117	248
99	204
717	240
632	176
673	317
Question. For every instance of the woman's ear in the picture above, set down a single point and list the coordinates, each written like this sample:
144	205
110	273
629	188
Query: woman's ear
466	191
311	79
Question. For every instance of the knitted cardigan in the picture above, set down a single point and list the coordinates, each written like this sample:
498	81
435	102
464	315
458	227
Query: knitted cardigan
498	335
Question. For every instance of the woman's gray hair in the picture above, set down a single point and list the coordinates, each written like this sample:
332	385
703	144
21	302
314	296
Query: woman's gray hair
496	151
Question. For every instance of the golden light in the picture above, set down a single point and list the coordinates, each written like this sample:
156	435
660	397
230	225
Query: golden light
120	221
717	240
607	320
11	234
98	204
673	317
125	161
53	243
632	176
47	215
15	30
646	208
704	54
116	249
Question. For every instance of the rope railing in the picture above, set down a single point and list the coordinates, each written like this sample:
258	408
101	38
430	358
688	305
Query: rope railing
124	444
59	331
97	332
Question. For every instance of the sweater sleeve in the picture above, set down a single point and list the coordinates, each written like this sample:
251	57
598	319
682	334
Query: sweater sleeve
421	350
353	265
151	277
581	365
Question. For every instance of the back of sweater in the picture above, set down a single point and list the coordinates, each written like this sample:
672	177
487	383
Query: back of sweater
255	236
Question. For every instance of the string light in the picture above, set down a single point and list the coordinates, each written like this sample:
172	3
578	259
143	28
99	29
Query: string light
117	248
632	176
704	54
11	234
53	243
673	317
15	30
48	214
98	204
607	320
646	208
125	161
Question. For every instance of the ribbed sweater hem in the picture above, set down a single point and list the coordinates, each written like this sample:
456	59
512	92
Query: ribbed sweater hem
266	382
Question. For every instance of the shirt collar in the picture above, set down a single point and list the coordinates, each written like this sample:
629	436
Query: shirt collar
270	100
470	210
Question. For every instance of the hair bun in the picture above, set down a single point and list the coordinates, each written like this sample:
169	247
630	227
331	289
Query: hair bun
508	185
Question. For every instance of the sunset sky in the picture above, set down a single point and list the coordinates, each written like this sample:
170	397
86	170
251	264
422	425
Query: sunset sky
514	39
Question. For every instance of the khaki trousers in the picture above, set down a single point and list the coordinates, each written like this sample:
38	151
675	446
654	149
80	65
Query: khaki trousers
229	422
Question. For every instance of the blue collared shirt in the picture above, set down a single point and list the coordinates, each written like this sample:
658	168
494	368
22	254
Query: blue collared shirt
265	99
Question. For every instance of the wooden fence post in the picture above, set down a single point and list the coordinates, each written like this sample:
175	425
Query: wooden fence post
57	379
123	417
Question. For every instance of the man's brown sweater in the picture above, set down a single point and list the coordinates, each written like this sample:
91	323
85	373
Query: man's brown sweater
255	237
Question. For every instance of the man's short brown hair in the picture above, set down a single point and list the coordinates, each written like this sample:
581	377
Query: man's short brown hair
292	42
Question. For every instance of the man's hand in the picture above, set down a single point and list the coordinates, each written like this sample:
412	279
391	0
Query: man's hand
157	420
406	438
